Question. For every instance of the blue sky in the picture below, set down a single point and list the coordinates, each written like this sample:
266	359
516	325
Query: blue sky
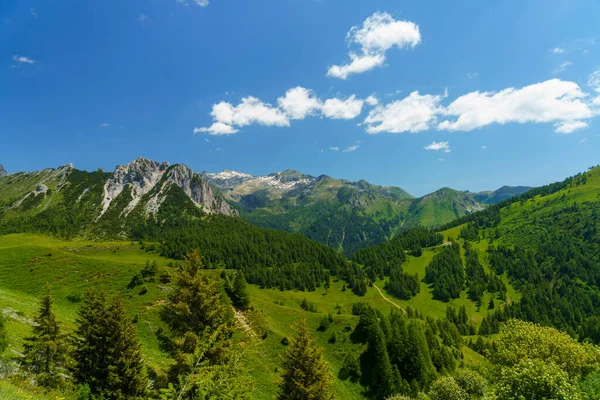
421	94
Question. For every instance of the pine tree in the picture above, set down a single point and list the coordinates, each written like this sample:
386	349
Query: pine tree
125	373
90	346
200	322
107	354
239	294
45	354
306	375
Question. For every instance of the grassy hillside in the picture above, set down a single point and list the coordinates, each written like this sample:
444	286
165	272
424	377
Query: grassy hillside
28	262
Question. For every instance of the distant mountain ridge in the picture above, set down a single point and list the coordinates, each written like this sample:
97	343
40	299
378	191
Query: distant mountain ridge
2	171
343	214
496	196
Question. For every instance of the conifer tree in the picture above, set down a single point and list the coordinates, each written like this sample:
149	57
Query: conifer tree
89	344
45	354
108	354
306	375
200	322
239	293
125	377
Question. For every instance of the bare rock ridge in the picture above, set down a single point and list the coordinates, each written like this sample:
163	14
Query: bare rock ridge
2	171
150	180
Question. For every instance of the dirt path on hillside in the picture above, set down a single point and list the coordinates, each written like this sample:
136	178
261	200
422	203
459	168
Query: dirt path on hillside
388	300
241	319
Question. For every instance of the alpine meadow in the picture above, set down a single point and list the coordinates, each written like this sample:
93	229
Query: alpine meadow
362	200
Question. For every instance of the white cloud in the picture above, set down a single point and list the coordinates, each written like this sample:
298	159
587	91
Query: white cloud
379	33
372	100
472	75
553	101
334	148
440	159
436	146
342	108
104	125
483	147
201	3
34	13
250	111
299	103
414	113
594	80
142	19
359	64
583	140
217	128
570	127
352	148
557	50
23	59
562	67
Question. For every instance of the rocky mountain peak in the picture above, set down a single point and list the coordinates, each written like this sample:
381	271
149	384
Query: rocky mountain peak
2	171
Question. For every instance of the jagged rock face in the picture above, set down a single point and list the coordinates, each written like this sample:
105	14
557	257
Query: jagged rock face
199	191
2	171
141	174
151	178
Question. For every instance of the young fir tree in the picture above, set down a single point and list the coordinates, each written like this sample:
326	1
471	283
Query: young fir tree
239	293
108	354
306	375
200	322
45	354
125	366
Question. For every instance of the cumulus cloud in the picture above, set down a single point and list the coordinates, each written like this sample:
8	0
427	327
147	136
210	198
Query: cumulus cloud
104	125
557	50
436	146
334	148
348	108
299	102
553	101
379	33
352	148
23	59
483	147
414	113
201	3
217	128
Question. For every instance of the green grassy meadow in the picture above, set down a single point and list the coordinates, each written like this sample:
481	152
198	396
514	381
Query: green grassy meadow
29	262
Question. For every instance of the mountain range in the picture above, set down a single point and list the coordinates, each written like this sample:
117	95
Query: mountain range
342	214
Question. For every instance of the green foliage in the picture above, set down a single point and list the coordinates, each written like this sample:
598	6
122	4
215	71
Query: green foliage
46	353
446	273
107	351
534	379
201	325
446	388
521	340
306	375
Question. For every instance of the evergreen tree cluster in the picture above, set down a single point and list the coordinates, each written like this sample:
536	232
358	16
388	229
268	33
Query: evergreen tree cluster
446	273
404	353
